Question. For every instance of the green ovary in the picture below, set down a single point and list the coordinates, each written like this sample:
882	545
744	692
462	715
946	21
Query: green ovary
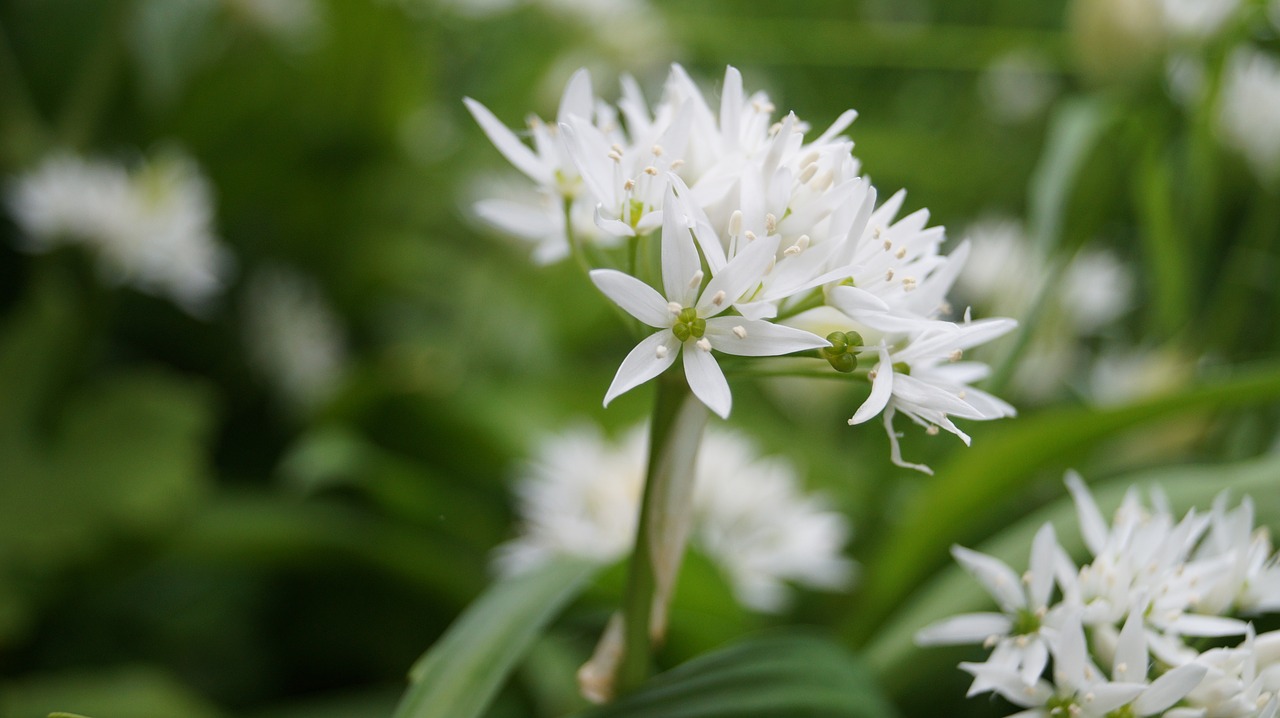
689	325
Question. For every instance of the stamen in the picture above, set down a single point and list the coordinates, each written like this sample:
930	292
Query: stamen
961	396
751	236
735	223
696	280
629	185
660	352
902	252
740	332
809	159
822	181
617	148
651	171
704	345
931	430
657	150
955	355
873	374
766	107
888	245
802	243
674	307
876	232
908	283
615	156
775	128
719	298
888	276
807	173
770	222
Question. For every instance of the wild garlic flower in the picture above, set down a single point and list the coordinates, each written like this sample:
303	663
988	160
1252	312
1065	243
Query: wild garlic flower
580	496
1250	110
758	224
150	228
1153	581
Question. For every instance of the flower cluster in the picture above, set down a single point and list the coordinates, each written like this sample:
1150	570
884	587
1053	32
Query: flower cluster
150	228
1126	635
724	231
581	496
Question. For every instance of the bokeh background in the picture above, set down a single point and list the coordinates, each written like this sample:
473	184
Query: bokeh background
268	500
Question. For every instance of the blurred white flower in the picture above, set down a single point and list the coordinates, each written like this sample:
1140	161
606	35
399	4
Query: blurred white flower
580	496
293	337
290	20
1121	376
150	228
1249	113
1196	19
1018	86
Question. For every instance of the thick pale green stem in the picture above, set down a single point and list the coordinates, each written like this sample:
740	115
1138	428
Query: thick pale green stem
663	529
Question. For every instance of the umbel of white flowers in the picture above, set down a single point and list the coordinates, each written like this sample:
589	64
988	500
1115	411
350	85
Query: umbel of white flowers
759	233
1152	583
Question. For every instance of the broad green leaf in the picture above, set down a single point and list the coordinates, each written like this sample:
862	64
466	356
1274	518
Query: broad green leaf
459	675
951	591
951	504
784	674
129	692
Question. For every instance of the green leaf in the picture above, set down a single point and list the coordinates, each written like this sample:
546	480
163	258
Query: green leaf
1075	129
781	674
951	591
130	692
459	675
963	492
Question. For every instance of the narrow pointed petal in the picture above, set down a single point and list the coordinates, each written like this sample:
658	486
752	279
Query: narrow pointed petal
1092	525
577	100
1169	689
1034	658
679	255
1070	655
615	227
757	338
1009	684
637	298
1044	548
730	108
521	219
1104	698
1208	626
881	391
1131	649
741	274
964	629
842	123
644	363
707	381
994	575
516	152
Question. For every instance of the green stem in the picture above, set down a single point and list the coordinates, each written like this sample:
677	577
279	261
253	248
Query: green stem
663	528
93	87
813	301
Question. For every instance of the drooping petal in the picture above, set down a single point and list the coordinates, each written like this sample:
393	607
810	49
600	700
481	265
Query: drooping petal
964	629
680	263
516	152
995	576
881	390
1169	689
637	298
895	451
648	359
758	338
707	380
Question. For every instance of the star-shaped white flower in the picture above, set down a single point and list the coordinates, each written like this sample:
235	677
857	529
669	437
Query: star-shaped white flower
690	317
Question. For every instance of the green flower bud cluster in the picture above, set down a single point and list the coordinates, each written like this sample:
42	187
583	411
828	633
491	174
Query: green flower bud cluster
843	352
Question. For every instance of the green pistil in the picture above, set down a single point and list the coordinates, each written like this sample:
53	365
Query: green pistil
689	325
1125	711
1026	622
1060	706
842	354
635	210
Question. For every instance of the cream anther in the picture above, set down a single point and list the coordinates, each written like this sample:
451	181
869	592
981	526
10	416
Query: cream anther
719	298
902	252
660	352
809	159
674	307
735	223
807	173
651	171
740	332
873	374
751	236
775	128
617	148
675	164
962	394
888	245
876	232
766	107
955	355
1122	667
888	276
770	222
908	283
704	345
931	430
822	181
615	156
696	280
629	185
656	150
991	641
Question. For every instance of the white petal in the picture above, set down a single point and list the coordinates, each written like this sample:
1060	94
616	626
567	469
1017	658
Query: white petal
644	363
679	255
1010	685
1044	548
1208	626
637	298
1110	696
730	108
994	575
707	380
853	301
964	629
881	391
1131	648
521	219
1092	525
743	272
1070	655
761	339
1035	658
516	152
577	99
842	122
1169	689
615	227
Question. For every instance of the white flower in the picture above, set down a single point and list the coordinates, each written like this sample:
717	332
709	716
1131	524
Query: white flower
150	229
580	496
927	381
1196	19
754	521
1019	634
1249	112
292	336
688	317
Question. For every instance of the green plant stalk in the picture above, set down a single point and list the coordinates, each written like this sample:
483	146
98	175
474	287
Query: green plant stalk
663	527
